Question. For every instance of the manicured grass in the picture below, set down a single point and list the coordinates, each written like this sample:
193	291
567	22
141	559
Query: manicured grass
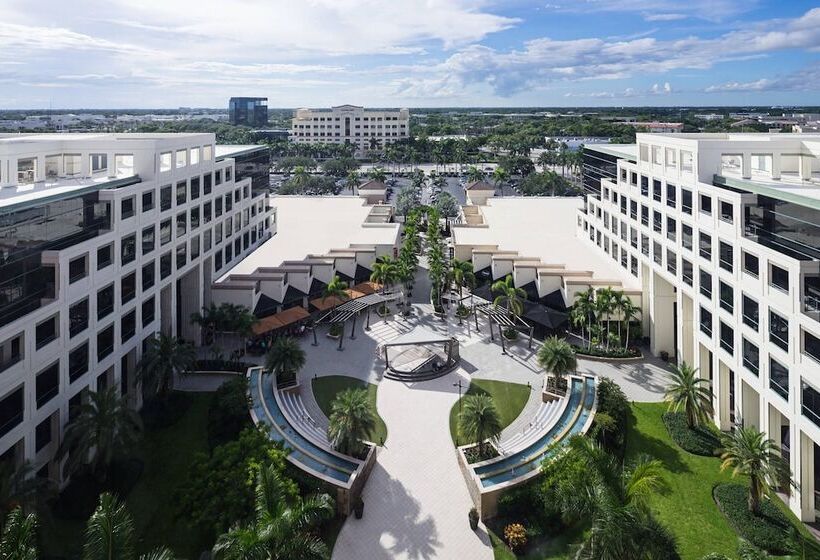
326	388
168	454
509	399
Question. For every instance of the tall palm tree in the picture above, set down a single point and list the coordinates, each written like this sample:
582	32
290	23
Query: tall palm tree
545	159
105	428
746	451
479	421
509	296
474	174
616	498
629	311
604	306
557	356
690	392
351	421
583	309
300	176
109	533
384	272
353	180
500	175
19	540
165	359
284	359
463	277
237	319
377	174
336	290
284	525
208	320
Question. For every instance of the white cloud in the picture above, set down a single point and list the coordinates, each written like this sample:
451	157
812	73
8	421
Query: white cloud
664	17
805	79
712	10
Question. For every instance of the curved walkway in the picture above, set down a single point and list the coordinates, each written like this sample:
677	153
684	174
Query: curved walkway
416	499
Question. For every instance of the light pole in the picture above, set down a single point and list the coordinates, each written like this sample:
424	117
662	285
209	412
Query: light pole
459	408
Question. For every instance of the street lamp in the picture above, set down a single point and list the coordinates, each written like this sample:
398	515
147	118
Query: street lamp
459	408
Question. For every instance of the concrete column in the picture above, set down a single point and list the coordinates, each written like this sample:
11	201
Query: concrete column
802	498
722	411
805	167
776	165
661	311
746	165
39	169
112	165
750	406
686	330
85	165
11	172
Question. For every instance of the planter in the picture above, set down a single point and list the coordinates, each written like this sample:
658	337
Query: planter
664	355
358	508
473	517
510	335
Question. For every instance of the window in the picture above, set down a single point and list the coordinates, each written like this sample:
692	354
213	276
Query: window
46	331
657	222
165	198
78	318
706	322
218	206
705	283
657	253
104	256
128	287
206	212
706	246
128	326
182	255
217	261
726	256
105	301
148	239
218	177
229	203
657	191
751	357
779	378
779	278
811	346
686	236
165	232
105	342
727	338
229	253
181	158
751	264
671	262
148	312
127	207
644	215
182	224
165	161
48	384
671	228
194	188
727	297
194	156
778	331
237	195
687	272
671	196
633	209
644	185
147	201
42	434
207	180
194	218
194	247
77	362
706	204
148	275
165	265
128	250
182	194
206	240
810	402
229	229
727	212
751	312
77	269
11	411
686	201
228	174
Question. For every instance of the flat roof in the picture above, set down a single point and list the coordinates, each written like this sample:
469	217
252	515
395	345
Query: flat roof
223	151
623	151
313	225
20	197
789	189
543	228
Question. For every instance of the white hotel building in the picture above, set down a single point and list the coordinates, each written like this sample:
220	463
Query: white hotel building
350	124
106	239
723	233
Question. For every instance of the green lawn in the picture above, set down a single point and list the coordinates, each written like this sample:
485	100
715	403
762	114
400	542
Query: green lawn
509	398
168	454
326	388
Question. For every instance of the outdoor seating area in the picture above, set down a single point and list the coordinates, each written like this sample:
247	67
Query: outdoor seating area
419	355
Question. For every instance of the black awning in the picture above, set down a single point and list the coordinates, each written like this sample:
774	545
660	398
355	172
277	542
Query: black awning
293	294
532	291
265	306
362	274
484	292
317	288
554	300
544	316
344	277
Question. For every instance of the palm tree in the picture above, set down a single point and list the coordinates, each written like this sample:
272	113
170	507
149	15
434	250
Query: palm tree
284	525
474	174
616	498
604	306
19	540
510	297
239	320
557	356
545	159
749	452
690	392
284	359
499	176
353	180
109	533
351	421
377	174
582	309
479	421
208	320
105	428
300	176
384	272
165	359
336	289
629	311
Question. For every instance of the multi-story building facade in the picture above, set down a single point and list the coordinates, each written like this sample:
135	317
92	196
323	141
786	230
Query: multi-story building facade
248	111
106	240
349	124
723	232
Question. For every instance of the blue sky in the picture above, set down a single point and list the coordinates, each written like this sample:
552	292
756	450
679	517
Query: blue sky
172	53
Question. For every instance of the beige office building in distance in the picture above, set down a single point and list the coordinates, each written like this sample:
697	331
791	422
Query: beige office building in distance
350	124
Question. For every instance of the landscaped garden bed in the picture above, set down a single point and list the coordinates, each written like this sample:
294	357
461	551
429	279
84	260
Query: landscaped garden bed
770	530
476	453
631	353
700	440
327	387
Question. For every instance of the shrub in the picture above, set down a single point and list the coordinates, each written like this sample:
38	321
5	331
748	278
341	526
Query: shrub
770	530
748	551
613	402
516	536
528	504
700	441
336	329
228	413
599	352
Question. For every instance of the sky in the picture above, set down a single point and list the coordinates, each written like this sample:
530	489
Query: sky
408	53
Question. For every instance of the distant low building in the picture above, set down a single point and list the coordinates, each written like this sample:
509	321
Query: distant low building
658	127
248	111
350	124
271	134
709	116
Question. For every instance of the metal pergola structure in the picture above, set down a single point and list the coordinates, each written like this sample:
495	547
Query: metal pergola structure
502	317
351	309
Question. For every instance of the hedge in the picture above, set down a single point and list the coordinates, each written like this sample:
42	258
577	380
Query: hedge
700	440
770	530
604	353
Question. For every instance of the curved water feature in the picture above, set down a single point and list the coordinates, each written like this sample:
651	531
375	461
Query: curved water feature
303	452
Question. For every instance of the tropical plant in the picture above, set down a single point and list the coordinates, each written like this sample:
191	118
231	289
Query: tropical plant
19	540
689	392
557	356
353	180
479	421
105	428
463	276
605	302
747	451
336	290
474	174
300	176
20	487
509	296
616	498
284	359
377	174
109	533
165	359
284	524
447	205
628	311
500	176
385	272
351	421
